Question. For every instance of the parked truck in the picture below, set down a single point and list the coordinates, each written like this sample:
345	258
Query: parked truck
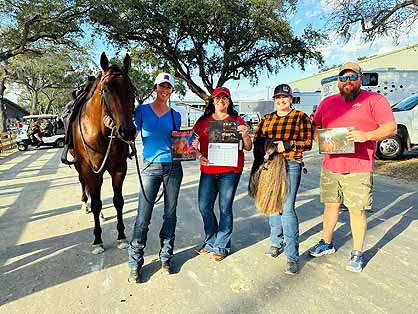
406	139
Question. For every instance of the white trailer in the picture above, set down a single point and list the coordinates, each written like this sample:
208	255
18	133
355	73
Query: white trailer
306	101
394	84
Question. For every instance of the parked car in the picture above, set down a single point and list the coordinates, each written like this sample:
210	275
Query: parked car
406	139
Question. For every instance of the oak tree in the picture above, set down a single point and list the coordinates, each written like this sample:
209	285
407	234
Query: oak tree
209	42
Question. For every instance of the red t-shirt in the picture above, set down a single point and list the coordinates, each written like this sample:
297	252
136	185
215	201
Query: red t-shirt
202	129
365	113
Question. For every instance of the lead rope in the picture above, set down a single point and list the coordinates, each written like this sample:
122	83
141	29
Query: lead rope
141	183
139	172
88	154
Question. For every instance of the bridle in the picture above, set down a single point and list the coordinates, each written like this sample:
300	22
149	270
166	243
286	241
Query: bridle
114	131
106	105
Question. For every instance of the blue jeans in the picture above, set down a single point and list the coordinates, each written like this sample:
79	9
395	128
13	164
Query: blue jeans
284	229
217	236
153	175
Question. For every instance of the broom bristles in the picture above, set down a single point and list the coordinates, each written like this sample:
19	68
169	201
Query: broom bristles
272	186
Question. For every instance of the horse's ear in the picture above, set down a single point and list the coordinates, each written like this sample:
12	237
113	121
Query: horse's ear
126	64
104	62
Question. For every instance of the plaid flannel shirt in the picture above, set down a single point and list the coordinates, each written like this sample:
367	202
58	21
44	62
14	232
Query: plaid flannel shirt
294	129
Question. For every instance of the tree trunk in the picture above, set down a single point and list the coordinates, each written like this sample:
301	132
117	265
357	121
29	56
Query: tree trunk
34	104
3	114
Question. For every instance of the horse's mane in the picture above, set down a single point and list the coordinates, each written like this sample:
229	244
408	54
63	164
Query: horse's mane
93	87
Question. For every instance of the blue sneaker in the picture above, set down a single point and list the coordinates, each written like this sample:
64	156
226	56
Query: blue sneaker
322	248
356	261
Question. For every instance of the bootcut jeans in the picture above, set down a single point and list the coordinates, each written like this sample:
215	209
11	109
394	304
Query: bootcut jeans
284	228
153	174
217	234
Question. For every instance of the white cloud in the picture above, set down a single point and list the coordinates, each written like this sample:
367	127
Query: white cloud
337	52
313	13
328	5
297	22
309	2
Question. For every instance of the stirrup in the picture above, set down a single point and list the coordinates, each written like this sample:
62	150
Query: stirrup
64	159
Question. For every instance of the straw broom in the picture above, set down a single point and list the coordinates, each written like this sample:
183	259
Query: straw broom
268	184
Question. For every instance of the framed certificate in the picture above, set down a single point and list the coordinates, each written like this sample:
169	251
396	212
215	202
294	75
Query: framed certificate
334	141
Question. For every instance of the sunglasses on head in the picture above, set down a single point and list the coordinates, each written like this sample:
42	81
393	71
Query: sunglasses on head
351	77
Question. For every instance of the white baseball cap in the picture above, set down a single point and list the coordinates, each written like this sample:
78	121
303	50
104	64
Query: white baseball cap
164	77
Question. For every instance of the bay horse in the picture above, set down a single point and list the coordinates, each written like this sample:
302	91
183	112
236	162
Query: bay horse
97	149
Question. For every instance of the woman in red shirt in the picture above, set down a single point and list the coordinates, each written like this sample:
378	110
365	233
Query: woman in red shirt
218	179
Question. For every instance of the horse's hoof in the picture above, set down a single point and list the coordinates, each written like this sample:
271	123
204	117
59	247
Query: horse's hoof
85	208
123	244
98	249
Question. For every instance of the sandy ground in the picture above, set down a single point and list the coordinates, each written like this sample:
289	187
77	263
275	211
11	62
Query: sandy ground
46	265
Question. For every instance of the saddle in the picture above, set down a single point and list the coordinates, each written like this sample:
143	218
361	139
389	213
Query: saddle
79	98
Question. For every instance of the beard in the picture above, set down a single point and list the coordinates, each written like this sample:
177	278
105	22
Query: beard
350	95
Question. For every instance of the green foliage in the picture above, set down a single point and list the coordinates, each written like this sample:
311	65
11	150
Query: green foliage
214	40
30	25
145	67
47	80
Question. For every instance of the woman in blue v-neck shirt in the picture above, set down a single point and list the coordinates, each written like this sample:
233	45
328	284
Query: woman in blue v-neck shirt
155	121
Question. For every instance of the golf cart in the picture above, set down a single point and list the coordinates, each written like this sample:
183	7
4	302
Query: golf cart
51	132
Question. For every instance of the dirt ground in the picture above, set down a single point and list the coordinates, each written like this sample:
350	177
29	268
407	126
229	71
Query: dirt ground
405	168
46	265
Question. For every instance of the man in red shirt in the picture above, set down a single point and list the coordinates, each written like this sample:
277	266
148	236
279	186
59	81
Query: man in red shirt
347	178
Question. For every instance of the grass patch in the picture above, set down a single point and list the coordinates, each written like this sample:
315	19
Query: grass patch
401	169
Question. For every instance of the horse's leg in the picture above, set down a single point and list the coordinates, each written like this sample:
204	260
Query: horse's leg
84	198
118	176
94	184
96	207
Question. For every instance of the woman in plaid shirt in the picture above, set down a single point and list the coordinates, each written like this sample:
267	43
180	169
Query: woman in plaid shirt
291	130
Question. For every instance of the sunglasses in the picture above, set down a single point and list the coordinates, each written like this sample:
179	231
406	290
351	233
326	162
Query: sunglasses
352	77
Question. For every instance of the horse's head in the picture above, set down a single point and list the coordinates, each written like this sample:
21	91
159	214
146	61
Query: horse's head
118	96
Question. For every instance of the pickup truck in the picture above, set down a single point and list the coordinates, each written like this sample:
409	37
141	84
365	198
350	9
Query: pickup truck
406	139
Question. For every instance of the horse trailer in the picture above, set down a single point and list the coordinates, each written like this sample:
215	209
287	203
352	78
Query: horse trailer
394	84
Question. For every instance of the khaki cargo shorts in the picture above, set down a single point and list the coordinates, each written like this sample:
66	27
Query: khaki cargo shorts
354	190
